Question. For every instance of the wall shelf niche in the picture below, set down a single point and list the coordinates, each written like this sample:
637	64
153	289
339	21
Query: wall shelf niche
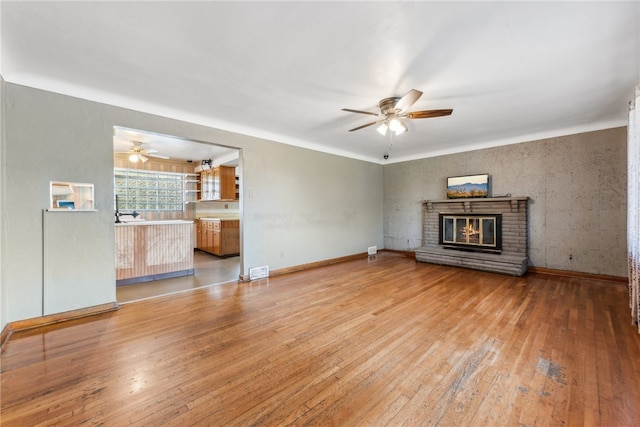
71	197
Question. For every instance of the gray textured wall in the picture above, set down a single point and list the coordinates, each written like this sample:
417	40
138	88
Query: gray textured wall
577	186
299	206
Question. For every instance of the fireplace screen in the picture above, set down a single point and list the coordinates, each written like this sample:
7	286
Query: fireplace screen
474	232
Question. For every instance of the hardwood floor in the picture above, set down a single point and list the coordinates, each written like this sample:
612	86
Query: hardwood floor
371	342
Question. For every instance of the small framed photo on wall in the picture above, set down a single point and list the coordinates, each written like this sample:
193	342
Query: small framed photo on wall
468	186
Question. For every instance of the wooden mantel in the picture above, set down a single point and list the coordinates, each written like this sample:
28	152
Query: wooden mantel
514	258
485	204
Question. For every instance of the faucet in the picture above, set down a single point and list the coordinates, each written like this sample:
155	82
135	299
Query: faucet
117	212
134	214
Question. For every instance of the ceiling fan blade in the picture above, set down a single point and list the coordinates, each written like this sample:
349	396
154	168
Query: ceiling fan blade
158	156
408	100
360	112
365	125
425	114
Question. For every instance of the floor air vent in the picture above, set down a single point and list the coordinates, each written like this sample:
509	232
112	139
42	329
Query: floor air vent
258	272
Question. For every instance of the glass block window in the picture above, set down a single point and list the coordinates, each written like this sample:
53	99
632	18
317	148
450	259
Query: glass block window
142	190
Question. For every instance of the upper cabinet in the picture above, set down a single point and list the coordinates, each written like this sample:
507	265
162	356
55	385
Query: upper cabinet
218	183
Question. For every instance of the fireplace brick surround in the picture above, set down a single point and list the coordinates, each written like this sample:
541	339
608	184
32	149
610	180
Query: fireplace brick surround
514	258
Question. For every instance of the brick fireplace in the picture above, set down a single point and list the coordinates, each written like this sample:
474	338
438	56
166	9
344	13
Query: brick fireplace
485	234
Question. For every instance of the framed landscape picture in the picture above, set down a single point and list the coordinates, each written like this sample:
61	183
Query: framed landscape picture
468	186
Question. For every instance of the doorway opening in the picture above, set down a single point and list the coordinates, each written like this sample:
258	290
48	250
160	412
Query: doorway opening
162	189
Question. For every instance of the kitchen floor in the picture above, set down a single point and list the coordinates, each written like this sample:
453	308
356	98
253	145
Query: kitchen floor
209	270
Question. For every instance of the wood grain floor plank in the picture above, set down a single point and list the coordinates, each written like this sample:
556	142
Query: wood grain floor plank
383	341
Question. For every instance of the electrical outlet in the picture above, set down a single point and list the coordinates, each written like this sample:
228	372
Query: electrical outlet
372	250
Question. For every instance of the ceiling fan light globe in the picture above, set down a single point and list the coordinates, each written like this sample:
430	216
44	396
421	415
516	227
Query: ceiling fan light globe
397	126
143	158
383	129
133	158
402	129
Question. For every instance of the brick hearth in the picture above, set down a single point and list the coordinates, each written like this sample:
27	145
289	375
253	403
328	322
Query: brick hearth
514	258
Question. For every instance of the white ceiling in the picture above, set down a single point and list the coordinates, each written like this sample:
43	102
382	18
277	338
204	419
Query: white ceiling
158	145
511	71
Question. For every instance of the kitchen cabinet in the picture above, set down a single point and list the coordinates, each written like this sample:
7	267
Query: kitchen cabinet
198	234
218	183
207	243
207	240
215	244
219	236
205	236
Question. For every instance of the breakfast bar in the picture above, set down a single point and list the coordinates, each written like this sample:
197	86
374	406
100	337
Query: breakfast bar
152	250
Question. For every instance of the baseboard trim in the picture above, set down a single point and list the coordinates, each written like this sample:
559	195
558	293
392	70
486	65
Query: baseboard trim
308	266
408	254
4	336
302	267
577	274
317	264
35	322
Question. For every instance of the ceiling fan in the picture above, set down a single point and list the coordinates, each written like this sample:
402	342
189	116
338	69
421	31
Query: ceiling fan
138	153
394	109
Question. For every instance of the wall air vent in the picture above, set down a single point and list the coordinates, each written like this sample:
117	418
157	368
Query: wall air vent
259	272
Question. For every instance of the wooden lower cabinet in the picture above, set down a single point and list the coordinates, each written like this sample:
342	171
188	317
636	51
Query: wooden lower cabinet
219	237
216	243
198	234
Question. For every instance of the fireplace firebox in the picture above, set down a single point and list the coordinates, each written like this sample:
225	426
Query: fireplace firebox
476	232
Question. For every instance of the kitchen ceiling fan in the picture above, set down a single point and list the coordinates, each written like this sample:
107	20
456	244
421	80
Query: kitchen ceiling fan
138	153
394	109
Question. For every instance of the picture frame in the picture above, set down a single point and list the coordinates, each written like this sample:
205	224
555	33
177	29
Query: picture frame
469	186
